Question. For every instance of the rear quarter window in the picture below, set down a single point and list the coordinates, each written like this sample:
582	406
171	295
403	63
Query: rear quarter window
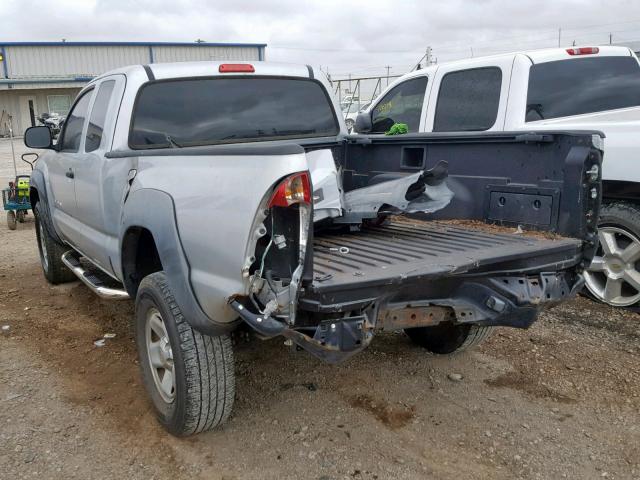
582	85
468	100
206	111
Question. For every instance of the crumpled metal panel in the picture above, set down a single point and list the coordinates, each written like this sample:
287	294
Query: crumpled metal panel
425	191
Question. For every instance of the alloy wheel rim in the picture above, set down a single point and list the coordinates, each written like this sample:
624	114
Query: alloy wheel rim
613	276
43	248
160	355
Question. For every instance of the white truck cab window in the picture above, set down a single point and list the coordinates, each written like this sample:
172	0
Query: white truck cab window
403	104
573	87
468	100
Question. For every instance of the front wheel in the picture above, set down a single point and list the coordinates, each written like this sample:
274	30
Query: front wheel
448	337
189	376
50	252
614	274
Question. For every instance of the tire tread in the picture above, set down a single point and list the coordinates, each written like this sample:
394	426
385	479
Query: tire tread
210	379
58	271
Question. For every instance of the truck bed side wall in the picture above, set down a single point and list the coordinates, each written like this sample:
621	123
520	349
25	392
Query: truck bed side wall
537	181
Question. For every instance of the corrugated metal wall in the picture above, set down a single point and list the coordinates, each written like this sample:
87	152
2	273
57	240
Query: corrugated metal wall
43	61
68	61
203	53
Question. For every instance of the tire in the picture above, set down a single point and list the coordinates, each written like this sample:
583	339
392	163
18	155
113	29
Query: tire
51	252
201	367
11	219
448	338
614	275
20	214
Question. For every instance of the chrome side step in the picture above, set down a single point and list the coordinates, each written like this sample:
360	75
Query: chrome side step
96	280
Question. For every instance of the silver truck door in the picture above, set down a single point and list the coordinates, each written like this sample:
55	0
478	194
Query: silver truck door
61	169
89	169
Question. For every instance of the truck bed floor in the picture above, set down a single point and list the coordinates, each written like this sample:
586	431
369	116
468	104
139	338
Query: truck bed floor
401	250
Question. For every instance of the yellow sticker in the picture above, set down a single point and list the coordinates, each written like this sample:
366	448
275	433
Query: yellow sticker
385	107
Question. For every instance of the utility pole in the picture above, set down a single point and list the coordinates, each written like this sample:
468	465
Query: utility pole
388	68
610	39
559	35
471	51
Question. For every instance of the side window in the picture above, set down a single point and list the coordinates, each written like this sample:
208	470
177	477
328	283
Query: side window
73	126
468	100
98	116
403	104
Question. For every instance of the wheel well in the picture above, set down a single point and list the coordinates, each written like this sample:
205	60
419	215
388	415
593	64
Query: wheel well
34	197
139	258
613	190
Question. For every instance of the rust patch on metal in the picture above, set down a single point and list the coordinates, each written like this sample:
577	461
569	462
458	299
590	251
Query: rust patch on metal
413	317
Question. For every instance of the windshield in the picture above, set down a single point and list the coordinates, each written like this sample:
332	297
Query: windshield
180	113
585	85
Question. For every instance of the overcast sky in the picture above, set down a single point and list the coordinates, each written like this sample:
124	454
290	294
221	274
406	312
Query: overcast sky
358	37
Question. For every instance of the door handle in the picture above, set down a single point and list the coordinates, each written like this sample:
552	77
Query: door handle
70	174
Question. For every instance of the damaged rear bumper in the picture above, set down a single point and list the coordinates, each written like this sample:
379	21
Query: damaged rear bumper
512	301
334	341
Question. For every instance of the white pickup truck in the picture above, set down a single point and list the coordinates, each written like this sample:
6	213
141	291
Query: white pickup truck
593	88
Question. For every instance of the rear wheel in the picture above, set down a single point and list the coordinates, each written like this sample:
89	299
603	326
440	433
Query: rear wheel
51	252
20	214
614	274
189	376
448	337
11	219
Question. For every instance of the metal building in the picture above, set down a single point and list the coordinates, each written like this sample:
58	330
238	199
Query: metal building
45	77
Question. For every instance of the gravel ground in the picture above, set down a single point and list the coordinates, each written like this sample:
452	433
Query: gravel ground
561	400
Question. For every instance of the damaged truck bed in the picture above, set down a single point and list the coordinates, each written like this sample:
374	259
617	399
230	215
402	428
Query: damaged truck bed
428	233
397	253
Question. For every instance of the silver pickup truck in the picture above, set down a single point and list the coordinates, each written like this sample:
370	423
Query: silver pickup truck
222	196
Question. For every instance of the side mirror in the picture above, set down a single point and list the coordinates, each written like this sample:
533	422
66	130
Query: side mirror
363	123
38	137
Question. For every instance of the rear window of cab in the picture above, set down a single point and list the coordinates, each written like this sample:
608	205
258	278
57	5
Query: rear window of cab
207	111
582	85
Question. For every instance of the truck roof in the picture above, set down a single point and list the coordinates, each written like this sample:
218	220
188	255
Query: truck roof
207	69
535	56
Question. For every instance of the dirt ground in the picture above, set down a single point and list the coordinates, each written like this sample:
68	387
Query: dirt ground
561	400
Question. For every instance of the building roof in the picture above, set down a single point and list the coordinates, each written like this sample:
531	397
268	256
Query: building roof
129	44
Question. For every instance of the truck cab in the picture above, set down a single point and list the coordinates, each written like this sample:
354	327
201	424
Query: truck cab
592	88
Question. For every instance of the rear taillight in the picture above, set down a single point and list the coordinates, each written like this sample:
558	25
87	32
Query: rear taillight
293	189
236	68
583	51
